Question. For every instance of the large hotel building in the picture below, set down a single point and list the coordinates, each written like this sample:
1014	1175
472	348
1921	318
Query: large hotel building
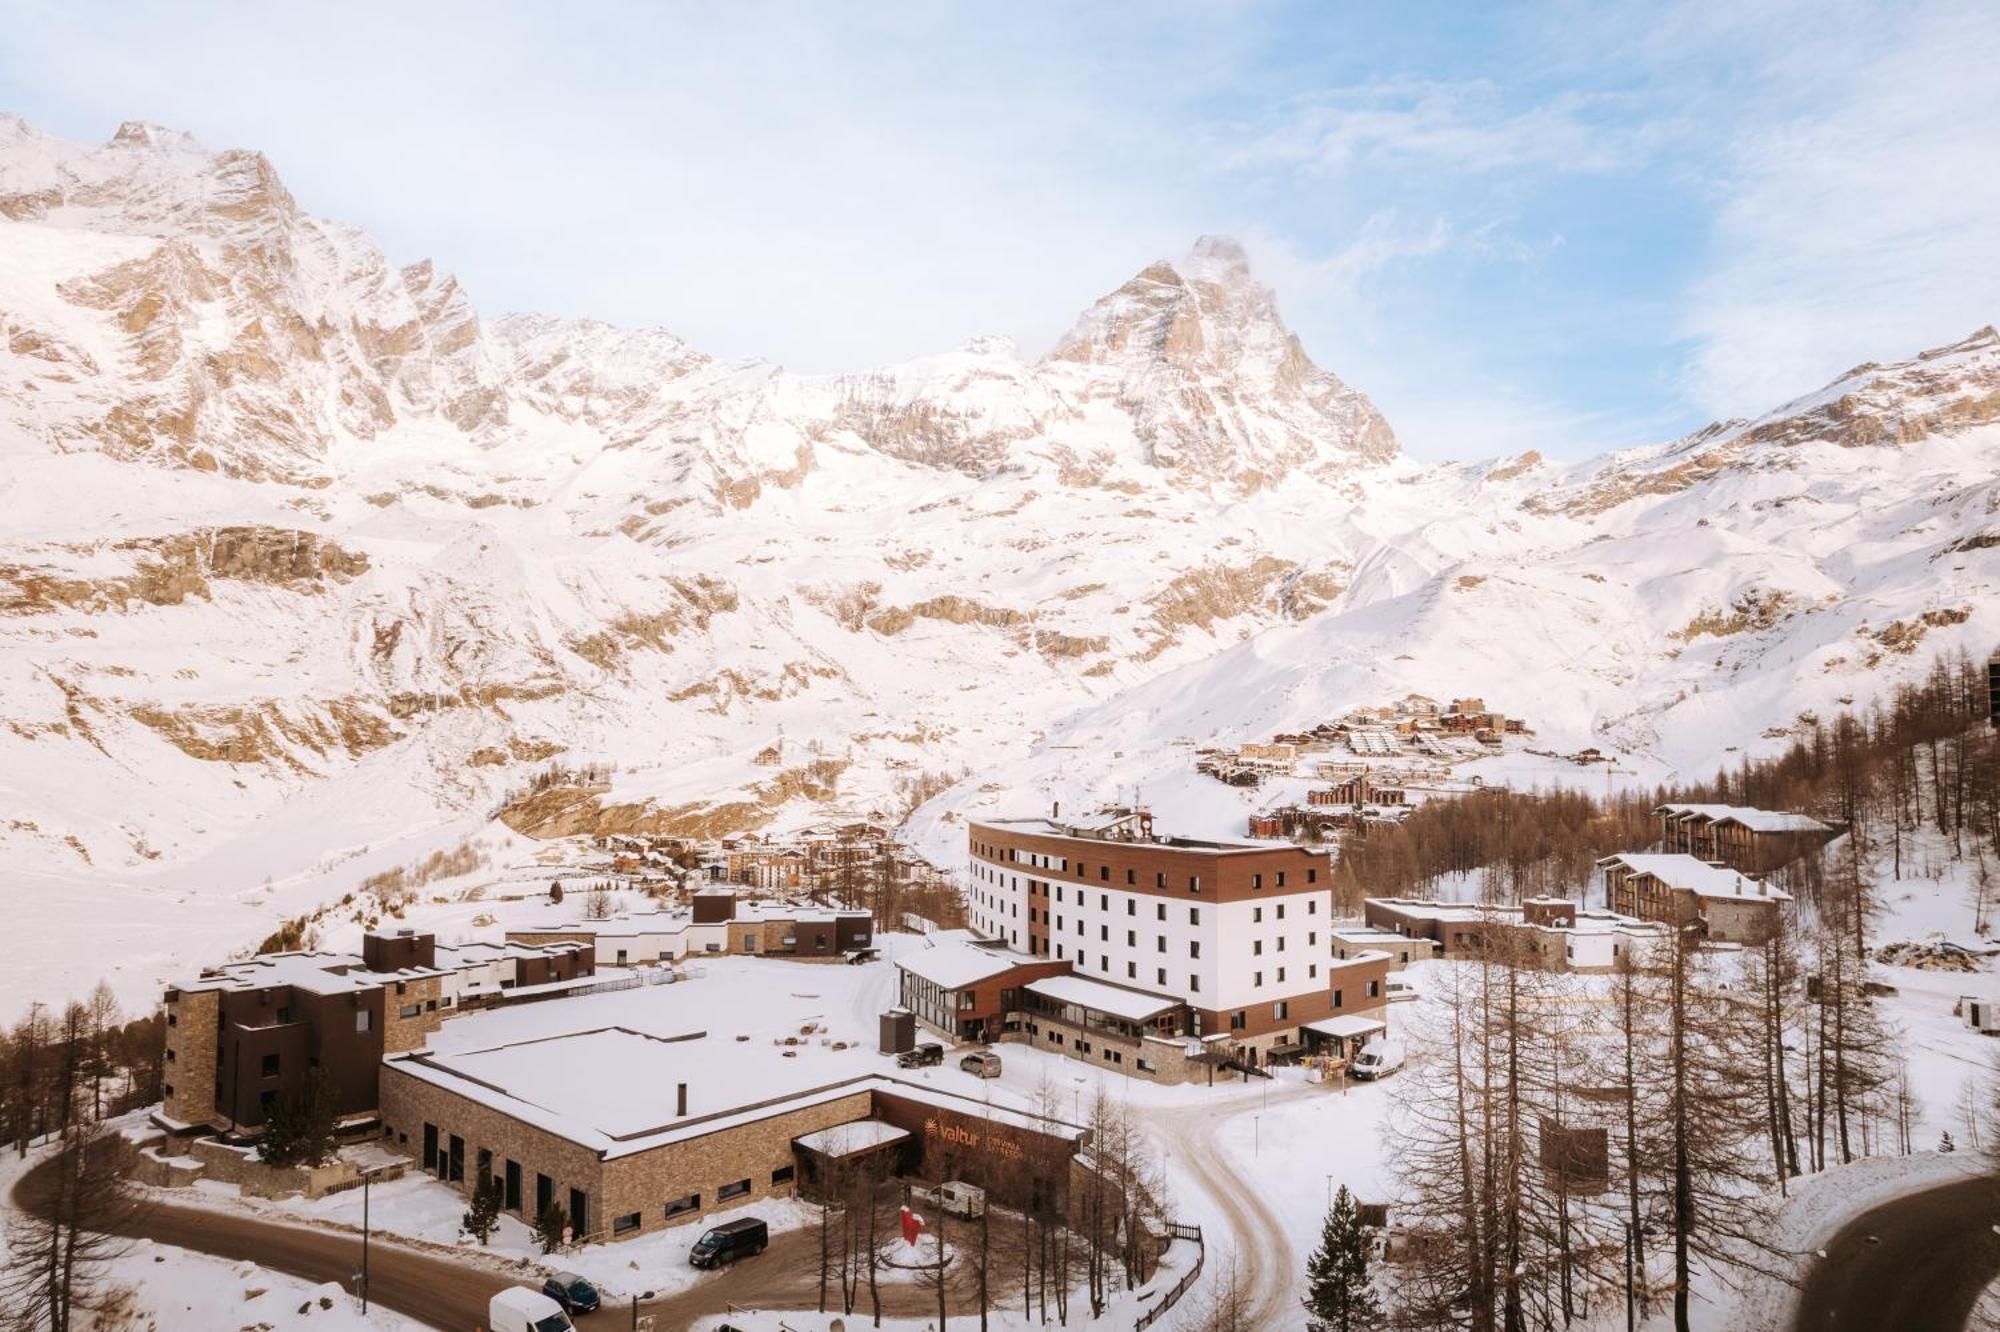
1239	935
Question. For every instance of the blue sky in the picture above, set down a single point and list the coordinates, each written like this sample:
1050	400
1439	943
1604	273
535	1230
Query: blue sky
1556	226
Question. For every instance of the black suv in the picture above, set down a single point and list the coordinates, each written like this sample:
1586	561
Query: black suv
930	1052
729	1241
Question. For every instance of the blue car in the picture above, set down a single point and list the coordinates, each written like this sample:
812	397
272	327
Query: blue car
572	1292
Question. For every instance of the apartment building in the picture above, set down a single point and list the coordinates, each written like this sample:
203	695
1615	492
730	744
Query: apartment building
1750	840
1728	906
1239	934
242	1035
717	921
1550	933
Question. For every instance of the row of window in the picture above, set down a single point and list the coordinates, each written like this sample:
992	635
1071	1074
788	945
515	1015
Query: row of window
1060	864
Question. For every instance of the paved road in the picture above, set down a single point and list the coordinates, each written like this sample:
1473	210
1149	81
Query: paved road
1913	1265
451	1294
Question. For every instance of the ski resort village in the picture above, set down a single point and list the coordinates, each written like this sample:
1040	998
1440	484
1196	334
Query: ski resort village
526	823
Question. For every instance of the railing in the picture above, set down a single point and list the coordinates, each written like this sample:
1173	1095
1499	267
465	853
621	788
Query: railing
1188	1278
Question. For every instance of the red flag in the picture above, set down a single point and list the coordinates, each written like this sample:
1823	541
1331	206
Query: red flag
913	1226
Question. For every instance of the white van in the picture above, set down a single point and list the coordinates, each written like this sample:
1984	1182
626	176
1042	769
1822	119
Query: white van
1379	1058
518	1309
957	1198
1399	987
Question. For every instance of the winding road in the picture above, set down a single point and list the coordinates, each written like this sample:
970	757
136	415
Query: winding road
1189	1136
450	1292
1916	1264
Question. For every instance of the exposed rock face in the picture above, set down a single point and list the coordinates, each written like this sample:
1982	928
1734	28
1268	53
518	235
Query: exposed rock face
298	540
1215	383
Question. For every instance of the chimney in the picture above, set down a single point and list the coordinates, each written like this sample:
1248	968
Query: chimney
1055	809
680	1100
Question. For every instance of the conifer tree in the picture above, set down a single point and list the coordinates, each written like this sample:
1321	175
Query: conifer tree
483	1216
1338	1297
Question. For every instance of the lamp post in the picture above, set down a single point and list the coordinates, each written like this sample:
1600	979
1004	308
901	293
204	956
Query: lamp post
367	1178
635	1308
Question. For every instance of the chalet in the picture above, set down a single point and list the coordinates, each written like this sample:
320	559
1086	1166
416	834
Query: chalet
1678	889
1754	841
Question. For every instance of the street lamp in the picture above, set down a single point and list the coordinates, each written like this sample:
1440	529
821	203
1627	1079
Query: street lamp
635	1308
367	1178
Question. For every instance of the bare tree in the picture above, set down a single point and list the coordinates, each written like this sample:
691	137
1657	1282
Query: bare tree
62	1239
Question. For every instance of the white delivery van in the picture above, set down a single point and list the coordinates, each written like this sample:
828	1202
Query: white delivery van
1379	1058
1400	987
518	1309
957	1198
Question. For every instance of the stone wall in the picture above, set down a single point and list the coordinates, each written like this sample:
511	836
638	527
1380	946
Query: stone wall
400	1033
193	1023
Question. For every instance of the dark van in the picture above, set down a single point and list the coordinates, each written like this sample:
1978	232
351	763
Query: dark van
728	1242
930	1052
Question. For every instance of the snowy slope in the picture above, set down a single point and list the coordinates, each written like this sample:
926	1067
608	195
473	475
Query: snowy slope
308	565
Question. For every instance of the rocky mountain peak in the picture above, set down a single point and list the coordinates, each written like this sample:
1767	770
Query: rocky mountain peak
145	134
1217	384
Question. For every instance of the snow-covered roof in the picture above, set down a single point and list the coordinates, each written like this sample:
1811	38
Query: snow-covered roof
1697	876
957	965
1132	1005
1757	820
849	1139
315	973
1346	1026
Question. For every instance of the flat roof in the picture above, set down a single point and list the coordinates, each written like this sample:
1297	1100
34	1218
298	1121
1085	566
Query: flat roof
956	965
1080	832
315	973
862	1135
1133	1005
1346	1026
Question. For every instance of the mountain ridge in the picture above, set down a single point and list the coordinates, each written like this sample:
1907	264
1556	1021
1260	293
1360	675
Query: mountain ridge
313	567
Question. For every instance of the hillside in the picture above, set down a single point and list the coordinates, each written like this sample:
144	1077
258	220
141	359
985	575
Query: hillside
310	563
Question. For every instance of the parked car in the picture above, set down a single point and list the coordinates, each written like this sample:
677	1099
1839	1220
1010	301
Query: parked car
1377	1059
930	1052
729	1241
573	1293
981	1064
1400	987
518	1309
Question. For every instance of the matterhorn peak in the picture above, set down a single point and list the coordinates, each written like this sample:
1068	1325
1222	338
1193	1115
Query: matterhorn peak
1217	259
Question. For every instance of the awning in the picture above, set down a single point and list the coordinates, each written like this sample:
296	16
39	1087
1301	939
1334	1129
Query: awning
1113	1000
1346	1027
863	1135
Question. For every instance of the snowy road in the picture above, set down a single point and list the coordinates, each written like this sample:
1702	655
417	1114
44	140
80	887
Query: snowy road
1190	1138
1916	1264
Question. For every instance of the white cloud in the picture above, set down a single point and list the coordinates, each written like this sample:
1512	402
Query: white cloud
1858	214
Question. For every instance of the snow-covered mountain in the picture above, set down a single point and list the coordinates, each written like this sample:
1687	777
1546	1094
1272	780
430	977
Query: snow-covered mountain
308	565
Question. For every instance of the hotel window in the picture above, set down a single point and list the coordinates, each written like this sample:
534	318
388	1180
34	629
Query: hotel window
1160	911
736	1190
1131	938
1194	948
1256	948
1160	943
1312	876
1336	998
1104	934
1194	916
1103	902
1281	975
1281	943
625	1224
1281	1010
782	1175
1238	1020
1312	904
1281	878
1163	976
1259	978
1131	906
364	1020
269	1066
1131	971
1281	911
1374	989
1104	874
1194	984
1131	876
1194	883
1256	881
1160	880
1257	915
1103	962
1312	970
